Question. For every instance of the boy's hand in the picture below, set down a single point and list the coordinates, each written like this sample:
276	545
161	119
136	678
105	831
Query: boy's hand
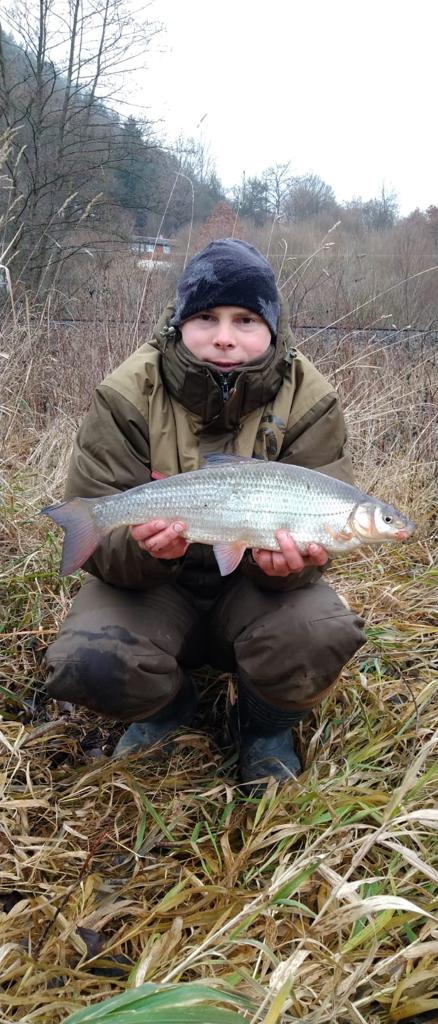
289	559
161	540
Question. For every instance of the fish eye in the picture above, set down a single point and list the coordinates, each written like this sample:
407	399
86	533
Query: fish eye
387	519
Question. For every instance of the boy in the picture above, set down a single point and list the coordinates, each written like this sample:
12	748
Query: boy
220	375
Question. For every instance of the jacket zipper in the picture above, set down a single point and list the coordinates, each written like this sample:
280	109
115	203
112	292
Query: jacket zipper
225	386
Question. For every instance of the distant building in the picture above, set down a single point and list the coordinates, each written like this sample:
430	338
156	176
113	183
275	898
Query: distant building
154	252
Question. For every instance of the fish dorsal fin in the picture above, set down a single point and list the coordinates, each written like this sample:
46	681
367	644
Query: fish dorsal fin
224	459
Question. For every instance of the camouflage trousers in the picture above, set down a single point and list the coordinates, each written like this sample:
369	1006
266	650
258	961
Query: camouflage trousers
122	653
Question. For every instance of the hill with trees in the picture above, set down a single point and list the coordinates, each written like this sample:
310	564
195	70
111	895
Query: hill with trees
81	180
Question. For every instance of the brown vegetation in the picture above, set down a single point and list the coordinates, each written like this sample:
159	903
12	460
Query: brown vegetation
320	902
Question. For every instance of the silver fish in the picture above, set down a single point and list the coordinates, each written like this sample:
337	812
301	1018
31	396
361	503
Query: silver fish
236	503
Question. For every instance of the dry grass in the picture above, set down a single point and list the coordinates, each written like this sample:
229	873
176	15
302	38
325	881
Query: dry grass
319	902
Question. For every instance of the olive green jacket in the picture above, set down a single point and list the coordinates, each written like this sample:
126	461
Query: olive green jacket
163	409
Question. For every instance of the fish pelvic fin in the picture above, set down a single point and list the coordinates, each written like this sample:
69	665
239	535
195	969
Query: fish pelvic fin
82	534
229	556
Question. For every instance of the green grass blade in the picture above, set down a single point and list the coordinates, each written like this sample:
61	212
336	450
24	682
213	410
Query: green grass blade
152	1003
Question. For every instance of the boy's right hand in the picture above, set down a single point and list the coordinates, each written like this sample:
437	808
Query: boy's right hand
160	539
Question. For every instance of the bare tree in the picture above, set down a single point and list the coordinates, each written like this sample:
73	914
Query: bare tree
189	185
59	65
279	182
376	214
308	197
262	197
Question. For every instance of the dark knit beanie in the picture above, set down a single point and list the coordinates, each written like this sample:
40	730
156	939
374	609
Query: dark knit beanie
228	272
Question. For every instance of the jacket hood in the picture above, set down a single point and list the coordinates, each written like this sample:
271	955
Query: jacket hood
221	399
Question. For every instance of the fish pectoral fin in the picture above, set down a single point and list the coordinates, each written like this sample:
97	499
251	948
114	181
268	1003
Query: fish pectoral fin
228	556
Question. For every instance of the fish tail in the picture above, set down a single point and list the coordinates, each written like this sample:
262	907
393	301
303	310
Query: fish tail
82	534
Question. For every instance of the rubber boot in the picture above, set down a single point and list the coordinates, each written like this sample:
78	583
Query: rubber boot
266	742
143	735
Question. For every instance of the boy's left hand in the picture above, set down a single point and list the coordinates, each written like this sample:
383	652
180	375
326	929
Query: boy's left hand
289	559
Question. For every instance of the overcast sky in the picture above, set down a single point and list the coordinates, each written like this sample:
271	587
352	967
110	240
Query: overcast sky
345	89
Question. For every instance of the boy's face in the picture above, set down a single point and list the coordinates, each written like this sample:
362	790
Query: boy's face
226	336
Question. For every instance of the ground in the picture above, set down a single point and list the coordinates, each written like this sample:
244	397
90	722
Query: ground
318	902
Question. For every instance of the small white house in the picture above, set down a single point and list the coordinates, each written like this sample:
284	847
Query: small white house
155	251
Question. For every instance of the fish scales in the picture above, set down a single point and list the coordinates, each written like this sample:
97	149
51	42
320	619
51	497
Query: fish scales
245	501
234	504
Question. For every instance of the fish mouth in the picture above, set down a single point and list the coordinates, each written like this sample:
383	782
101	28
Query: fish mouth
406	532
